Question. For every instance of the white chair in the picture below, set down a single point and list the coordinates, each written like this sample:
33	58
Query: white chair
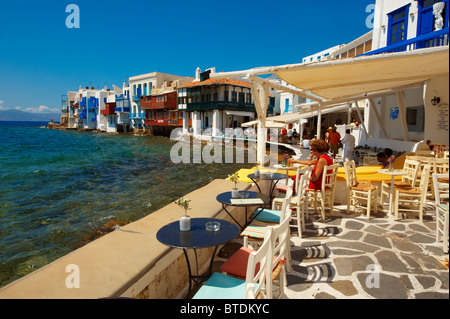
360	195
273	215
237	265
412	168
412	196
441	196
300	201
256	283
325	195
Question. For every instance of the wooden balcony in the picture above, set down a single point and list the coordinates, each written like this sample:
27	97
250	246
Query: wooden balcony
110	109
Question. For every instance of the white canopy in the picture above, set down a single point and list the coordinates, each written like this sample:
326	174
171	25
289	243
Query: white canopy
338	79
269	124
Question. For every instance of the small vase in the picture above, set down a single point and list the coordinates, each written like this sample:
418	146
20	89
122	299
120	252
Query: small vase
234	193
391	168
283	163
257	172
185	223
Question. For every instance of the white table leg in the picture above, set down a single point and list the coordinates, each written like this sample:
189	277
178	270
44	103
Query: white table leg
391	197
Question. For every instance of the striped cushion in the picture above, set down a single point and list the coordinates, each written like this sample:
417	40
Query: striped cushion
443	206
256	229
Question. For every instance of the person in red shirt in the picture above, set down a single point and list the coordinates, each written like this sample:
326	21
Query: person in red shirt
319	149
334	139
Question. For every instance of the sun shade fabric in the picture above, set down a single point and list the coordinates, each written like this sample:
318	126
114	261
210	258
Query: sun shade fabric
350	77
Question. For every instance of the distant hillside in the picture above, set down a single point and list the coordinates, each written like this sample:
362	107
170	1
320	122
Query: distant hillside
17	115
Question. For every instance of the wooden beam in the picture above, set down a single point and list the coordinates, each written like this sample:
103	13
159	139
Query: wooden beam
362	119
402	112
377	116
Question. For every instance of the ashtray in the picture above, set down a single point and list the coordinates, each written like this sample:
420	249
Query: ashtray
212	226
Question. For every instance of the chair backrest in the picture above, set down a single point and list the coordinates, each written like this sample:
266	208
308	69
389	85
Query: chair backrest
441	190
329	177
280	242
412	167
286	203
350	173
257	277
303	181
441	165
424	180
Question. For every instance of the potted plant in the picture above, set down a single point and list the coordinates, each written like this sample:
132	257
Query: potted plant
234	191
285	159
185	220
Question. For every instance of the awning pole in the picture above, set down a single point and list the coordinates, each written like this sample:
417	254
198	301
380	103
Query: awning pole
260	94
319	120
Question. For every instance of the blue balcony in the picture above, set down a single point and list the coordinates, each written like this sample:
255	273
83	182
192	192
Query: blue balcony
92	102
82	115
432	39
122	109
137	116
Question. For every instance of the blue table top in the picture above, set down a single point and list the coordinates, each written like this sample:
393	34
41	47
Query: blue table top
198	236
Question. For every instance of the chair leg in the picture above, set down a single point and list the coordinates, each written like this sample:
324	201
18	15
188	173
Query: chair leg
369	204
375	201
322	202
348	201
395	204
299	220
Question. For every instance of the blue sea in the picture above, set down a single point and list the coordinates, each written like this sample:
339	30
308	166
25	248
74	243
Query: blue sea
58	188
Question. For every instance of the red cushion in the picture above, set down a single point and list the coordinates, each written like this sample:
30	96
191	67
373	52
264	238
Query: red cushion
237	264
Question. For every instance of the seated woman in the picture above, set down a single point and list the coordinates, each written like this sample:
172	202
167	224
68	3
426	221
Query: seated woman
383	159
319	149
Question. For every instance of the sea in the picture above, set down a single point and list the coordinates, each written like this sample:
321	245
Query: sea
58	188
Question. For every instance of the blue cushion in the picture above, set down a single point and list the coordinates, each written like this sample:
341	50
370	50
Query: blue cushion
268	215
220	286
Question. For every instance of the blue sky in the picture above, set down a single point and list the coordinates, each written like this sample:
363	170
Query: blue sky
41	59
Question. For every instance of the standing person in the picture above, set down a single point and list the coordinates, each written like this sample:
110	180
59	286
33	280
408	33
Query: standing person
334	139
349	145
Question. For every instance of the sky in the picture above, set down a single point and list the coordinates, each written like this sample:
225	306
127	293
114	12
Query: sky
41	58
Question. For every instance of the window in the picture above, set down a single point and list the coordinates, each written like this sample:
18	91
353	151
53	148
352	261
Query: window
414	118
398	25
426	17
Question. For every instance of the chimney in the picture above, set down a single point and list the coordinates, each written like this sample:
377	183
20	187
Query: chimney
197	75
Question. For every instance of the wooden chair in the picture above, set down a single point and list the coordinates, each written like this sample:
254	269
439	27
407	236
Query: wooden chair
237	265
299	202
412	196
256	283
273	215
441	196
409	180
325	195
360	195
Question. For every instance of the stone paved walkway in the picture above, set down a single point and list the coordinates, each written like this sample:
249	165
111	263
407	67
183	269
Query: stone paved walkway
348	256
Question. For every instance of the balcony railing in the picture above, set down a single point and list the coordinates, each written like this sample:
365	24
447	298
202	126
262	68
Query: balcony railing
139	116
122	109
432	39
220	105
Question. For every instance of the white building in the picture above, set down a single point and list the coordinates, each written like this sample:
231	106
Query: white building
411	116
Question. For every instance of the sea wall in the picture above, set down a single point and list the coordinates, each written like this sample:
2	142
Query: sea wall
129	262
